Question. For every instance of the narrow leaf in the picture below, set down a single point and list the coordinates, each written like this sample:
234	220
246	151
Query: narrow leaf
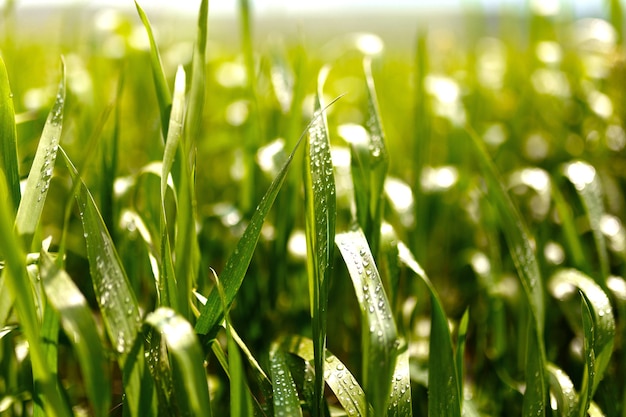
80	328
400	401
562	389
379	333
8	138
286	401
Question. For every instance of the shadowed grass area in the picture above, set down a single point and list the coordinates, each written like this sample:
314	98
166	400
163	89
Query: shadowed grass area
188	257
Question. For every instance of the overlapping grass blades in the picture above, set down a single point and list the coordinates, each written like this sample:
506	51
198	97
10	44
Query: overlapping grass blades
320	213
444	379
8	144
79	326
523	255
379	333
191	391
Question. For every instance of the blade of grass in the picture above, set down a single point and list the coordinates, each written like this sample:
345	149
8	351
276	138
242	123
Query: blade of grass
520	247
320	211
80	328
190	383
9	162
444	385
598	327
563	390
164	97
238	262
38	182
379	333
286	401
17	282
195	107
400	401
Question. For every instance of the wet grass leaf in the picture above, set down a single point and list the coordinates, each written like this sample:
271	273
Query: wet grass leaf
286	401
8	142
400	404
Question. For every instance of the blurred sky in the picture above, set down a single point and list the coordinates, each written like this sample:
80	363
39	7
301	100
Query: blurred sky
261	7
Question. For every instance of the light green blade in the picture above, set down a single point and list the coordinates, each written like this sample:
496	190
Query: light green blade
8	139
444	388
190	382
286	401
379	333
81	330
562	388
38	182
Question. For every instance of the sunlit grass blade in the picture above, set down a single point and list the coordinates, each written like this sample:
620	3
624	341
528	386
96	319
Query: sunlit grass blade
8	138
195	106
379	333
585	180
17	282
38	182
571	237
237	264
598	326
80	328
320	212
369	168
190	383
562	388
286	401
339	378
116	300
164	97
519	243
444	385
400	402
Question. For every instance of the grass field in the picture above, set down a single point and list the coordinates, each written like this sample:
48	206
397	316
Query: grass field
282	228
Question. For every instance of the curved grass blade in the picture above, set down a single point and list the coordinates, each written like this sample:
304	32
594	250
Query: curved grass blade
160	83
237	264
320	207
9	162
584	179
286	401
400	401
80	328
598	327
444	386
17	282
38	182
563	390
379	333
519	243
190	383
340	380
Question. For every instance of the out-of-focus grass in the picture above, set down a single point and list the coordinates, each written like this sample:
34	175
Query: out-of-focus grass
494	150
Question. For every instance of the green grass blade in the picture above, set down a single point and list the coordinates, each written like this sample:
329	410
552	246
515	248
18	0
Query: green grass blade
460	347
379	333
237	264
400	401
38	182
320	211
164	97
198	78
286	401
519	243
17	282
584	179
80	328
598	327
190	383
8	138
340	380
444	395
563	390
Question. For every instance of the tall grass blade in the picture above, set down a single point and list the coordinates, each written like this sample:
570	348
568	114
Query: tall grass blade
286	401
320	212
38	182
116	301
400	402
562	388
339	378
585	180
598	325
379	333
520	247
444	385
18	284
164	97
80	328
190	383
237	264
8	138
195	106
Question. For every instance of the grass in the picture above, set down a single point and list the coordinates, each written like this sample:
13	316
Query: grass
287	229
